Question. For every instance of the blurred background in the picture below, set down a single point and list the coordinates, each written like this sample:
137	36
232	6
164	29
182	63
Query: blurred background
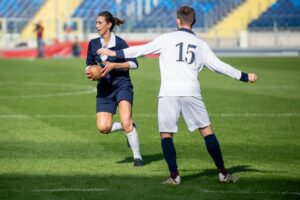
62	28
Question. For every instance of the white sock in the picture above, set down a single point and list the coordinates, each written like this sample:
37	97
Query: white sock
133	140
116	126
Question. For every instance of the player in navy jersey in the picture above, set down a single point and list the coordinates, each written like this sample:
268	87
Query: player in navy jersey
182	56
115	88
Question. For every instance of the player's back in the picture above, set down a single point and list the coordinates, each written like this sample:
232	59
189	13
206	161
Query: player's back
180	63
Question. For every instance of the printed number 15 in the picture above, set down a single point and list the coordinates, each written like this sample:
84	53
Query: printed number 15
189	50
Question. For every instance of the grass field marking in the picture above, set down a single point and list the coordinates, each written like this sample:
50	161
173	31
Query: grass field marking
62	190
249	192
44	84
255	115
70	190
144	115
83	90
260	87
45	116
202	191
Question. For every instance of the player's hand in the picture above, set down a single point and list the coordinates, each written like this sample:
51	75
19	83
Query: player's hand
87	73
108	67
106	52
252	77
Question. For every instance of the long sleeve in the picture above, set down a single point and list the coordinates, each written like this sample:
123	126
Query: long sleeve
90	59
136	51
213	63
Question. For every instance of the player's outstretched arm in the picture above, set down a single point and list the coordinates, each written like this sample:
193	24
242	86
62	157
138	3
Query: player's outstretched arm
136	51
106	52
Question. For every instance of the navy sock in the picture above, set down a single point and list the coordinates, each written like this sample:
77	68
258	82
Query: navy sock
170	156
214	151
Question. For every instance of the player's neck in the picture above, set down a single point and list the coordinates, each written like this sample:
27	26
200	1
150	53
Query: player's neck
184	26
106	37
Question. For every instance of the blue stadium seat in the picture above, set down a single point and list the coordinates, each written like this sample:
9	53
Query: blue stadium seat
18	12
284	14
162	15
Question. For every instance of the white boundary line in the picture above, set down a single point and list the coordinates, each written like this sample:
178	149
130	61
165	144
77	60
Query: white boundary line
201	190
62	190
70	190
83	90
86	91
248	192
20	116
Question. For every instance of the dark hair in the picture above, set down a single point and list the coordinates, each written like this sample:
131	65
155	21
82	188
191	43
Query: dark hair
109	18
186	15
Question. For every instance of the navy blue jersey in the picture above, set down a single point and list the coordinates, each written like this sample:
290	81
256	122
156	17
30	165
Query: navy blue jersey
116	78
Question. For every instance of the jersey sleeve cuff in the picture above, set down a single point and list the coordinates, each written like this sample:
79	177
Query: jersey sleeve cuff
120	54
244	77
132	65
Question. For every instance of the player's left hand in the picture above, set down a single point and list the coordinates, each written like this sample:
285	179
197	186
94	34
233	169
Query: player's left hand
108	67
106	52
252	77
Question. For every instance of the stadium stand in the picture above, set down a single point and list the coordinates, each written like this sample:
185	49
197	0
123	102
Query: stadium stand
207	12
158	14
18	12
283	14
57	12
223	23
238	19
89	9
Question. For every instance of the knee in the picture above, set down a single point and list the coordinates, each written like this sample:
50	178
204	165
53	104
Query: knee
104	128
127	126
206	131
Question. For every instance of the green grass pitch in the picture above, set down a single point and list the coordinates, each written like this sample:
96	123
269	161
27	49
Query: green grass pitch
50	147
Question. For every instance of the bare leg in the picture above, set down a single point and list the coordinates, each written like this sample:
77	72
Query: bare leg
125	112
104	121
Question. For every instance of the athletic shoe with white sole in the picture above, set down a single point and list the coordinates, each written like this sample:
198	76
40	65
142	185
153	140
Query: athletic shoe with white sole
138	162
229	178
171	181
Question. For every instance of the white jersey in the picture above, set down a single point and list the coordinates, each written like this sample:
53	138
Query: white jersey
182	55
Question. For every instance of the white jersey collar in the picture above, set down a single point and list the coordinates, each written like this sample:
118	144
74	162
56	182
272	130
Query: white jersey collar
112	41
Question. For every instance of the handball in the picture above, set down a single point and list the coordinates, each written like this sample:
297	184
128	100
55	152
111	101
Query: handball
95	72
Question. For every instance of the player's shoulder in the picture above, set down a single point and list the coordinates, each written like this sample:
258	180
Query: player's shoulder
95	40
120	43
184	34
120	40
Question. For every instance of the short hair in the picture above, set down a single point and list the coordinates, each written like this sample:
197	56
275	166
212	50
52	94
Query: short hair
186	15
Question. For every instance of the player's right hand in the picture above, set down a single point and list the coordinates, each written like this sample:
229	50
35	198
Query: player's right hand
87	73
252	77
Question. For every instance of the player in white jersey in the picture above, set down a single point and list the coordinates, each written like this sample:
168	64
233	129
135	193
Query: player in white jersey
182	56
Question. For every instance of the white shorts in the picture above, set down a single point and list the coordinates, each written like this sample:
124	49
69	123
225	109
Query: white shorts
192	108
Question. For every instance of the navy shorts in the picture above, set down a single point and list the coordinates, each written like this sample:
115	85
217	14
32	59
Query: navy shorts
110	102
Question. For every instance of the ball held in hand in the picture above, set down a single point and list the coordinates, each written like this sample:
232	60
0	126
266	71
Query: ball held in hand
95	72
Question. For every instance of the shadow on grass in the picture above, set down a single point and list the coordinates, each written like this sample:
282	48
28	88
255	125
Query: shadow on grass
146	158
234	169
113	187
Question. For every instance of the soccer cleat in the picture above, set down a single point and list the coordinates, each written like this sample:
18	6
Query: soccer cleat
137	162
229	178
171	181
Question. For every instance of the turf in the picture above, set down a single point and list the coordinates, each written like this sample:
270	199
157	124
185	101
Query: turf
50	147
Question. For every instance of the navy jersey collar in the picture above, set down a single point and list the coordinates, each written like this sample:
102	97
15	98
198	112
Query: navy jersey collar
186	30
